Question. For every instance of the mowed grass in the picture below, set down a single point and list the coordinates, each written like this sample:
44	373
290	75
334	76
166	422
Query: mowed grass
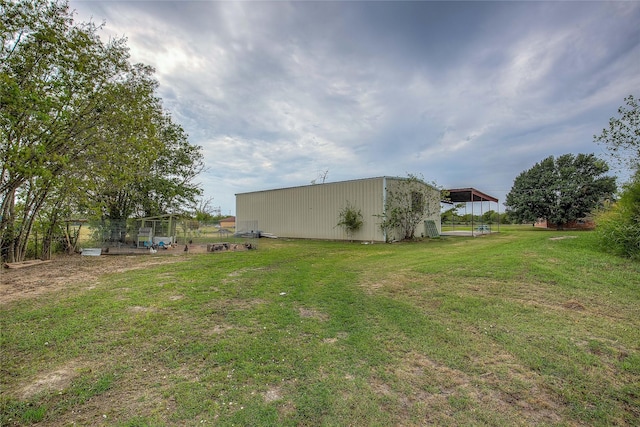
525	327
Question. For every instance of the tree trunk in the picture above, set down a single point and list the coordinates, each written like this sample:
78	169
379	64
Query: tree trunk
46	247
7	236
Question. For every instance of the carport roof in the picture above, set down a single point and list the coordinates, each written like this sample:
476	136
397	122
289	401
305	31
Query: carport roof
459	195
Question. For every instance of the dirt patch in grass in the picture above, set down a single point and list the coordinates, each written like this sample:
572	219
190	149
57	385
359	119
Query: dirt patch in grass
276	394
145	389
573	305
218	329
227	304
312	314
395	282
140	309
242	271
272	394
339	336
518	388
419	384
52	381
70	271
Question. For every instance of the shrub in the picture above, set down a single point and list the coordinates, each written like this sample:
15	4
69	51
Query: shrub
619	227
350	218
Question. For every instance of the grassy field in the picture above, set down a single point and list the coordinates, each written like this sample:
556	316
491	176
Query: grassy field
525	327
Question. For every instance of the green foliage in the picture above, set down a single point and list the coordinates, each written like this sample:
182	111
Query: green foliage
169	184
619	226
560	189
409	202
452	216
350	218
490	217
622	137
82	131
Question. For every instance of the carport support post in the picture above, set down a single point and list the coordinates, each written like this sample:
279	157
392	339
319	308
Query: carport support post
472	218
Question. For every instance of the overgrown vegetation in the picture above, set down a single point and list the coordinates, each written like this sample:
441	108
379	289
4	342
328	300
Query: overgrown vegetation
525	327
619	227
350	218
408	203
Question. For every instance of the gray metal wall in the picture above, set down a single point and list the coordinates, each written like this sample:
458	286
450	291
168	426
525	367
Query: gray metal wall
400	185
312	211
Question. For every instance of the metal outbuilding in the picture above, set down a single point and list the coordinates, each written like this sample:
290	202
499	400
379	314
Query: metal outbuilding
312	211
471	196
458	195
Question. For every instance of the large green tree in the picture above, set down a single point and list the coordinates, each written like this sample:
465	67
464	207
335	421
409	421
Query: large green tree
560	190
79	127
52	76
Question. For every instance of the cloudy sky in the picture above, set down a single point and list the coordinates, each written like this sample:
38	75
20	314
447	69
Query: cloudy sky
466	94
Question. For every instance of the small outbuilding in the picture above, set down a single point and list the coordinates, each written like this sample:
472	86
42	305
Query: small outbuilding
470	196
157	230
313	211
228	222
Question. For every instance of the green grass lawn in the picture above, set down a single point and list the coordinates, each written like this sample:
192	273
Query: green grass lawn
524	327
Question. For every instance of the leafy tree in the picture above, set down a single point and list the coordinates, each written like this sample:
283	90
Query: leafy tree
450	215
622	137
490	217
170	184
52	76
160	181
505	218
81	129
132	133
350	218
408	204
560	189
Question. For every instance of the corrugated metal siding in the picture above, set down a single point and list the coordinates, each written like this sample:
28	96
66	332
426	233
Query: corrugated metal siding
312	211
396	184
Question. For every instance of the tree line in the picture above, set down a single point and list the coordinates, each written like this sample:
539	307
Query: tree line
82	130
452	216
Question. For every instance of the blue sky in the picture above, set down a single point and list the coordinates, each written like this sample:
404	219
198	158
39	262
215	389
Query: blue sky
466	94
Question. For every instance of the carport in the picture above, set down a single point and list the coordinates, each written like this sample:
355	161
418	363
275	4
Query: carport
472	196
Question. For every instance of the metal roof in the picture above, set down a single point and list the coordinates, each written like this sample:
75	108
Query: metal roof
459	195
399	178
